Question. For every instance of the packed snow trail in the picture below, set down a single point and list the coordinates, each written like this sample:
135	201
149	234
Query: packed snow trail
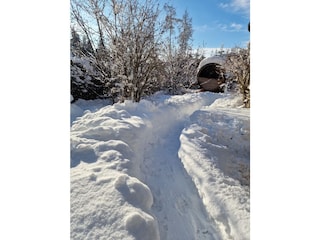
176	199
167	168
177	206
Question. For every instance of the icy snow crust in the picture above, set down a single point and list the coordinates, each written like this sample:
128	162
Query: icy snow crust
170	167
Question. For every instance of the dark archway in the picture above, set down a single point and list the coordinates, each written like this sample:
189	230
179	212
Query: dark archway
210	78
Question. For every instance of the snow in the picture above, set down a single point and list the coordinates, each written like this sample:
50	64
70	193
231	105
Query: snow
215	152
168	167
215	59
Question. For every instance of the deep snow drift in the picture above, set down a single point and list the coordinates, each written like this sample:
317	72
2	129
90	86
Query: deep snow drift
169	167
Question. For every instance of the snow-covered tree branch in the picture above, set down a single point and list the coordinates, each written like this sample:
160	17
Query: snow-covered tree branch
135	51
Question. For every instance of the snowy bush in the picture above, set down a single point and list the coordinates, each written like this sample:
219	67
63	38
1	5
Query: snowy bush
182	75
85	81
238	67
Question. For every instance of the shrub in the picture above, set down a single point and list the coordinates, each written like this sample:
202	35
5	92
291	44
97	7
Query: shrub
85	81
238	67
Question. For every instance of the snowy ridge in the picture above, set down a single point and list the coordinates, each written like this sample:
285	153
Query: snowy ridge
215	152
160	169
107	201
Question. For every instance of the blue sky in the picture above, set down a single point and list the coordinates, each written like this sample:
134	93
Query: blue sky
216	23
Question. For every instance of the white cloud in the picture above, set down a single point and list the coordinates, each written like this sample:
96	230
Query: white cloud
233	27
242	6
224	5
236	27
203	28
223	27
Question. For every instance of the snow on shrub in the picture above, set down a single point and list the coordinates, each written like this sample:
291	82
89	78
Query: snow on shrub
238	67
85	81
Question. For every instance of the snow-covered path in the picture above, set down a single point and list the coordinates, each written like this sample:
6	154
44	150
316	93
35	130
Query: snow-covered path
177	205
167	168
176	198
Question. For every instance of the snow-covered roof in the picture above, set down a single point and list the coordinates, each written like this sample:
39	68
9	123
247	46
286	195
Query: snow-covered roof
215	59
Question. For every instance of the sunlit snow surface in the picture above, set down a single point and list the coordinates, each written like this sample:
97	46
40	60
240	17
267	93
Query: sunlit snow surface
169	167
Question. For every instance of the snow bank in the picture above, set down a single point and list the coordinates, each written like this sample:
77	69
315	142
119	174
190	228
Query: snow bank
106	201
215	150
142	226
134	191
80	106
105	204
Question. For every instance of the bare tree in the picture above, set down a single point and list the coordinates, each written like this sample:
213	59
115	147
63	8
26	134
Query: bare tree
180	62
78	12
185	35
137	46
127	37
